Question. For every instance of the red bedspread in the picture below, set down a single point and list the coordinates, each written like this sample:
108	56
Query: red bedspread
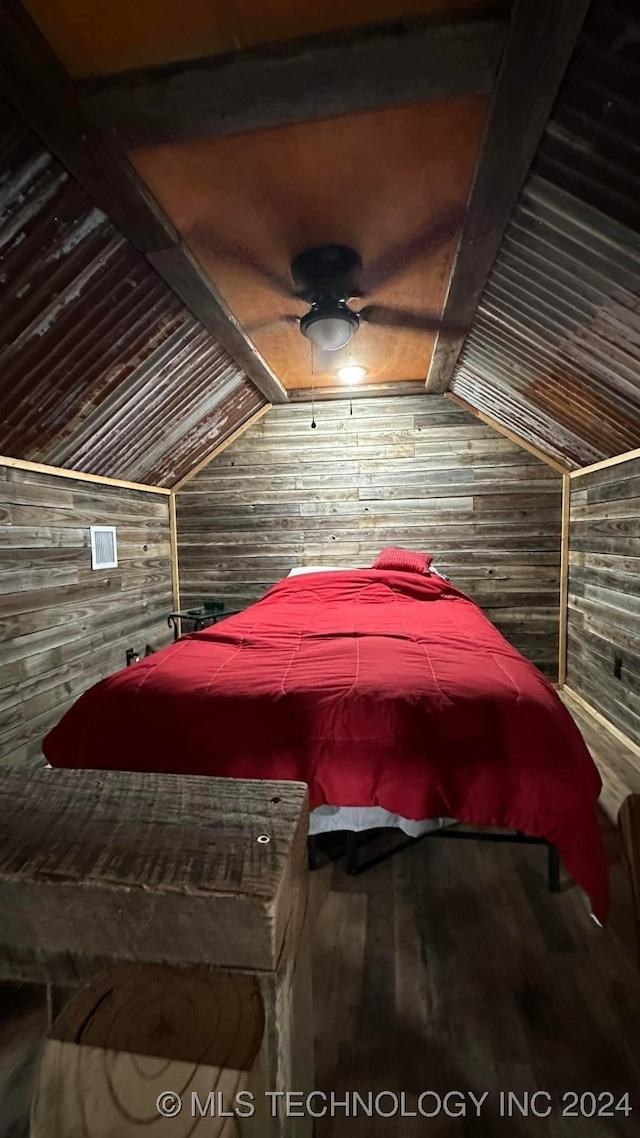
377	688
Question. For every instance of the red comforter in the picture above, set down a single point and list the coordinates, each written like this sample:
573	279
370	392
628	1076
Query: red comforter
375	687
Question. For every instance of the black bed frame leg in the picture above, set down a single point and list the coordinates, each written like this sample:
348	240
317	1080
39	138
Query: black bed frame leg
352	851
553	869
312	852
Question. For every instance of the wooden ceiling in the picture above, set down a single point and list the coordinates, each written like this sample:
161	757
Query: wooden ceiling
100	37
222	140
377	181
387	184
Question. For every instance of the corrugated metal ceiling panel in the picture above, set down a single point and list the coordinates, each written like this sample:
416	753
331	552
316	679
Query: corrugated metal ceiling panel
554	352
102	368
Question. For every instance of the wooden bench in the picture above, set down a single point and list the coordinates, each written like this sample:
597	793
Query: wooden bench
175	907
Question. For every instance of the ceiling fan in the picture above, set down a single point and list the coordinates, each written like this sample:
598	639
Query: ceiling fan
327	277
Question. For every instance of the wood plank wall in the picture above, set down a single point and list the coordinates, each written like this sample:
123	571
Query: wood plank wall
604	593
64	626
415	471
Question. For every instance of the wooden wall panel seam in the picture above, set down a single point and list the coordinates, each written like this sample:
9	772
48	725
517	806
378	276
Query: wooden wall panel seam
175	562
564	578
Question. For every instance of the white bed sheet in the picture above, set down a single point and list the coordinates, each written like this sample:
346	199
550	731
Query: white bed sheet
340	568
328	818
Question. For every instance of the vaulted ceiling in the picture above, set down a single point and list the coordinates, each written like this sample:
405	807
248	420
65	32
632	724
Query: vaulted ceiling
162	163
257	199
554	350
246	200
101	37
102	368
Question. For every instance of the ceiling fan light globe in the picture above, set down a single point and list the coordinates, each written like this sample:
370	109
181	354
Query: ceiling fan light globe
329	332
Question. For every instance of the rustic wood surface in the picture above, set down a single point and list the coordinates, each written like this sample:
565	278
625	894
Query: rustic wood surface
541	39
64	626
417	472
619	765
255	418
509	434
406	1001
308	79
79	475
182	272
364	390
564	579
628	745
52	109
99	1073
287	1058
629	823
214	1030
173	546
98	868
615	460
454	969
604	593
246	203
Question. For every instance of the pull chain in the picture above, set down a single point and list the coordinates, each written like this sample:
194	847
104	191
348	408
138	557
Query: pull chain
313	392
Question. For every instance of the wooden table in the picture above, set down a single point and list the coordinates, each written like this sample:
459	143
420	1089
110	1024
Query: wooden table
165	884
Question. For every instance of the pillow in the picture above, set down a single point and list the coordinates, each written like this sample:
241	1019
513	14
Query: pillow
403	559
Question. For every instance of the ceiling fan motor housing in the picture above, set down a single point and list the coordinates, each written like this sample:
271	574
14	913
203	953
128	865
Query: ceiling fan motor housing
325	277
326	271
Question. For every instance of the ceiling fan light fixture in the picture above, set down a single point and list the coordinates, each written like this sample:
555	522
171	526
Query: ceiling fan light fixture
329	327
351	373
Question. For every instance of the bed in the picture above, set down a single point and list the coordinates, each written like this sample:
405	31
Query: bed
358	819
380	688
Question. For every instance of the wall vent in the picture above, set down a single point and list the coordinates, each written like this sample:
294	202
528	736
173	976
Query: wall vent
104	547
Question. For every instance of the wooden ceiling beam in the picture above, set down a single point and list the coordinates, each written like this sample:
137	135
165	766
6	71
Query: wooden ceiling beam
357	391
34	82
541	39
310	79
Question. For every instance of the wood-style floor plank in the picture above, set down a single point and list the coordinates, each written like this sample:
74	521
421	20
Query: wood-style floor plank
475	978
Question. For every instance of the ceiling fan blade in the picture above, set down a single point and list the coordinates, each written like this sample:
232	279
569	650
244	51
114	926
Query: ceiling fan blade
216	245
263	324
400	318
423	243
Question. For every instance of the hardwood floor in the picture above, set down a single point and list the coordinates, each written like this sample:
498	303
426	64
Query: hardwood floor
448	968
451	968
